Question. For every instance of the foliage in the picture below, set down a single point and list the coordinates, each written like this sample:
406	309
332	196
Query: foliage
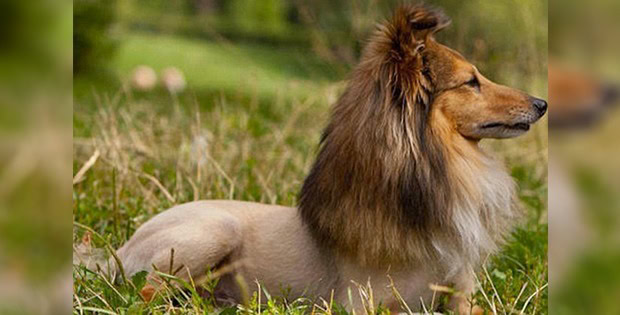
268	15
513	47
93	42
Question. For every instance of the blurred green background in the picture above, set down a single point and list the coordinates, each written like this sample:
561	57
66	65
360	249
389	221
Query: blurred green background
35	156
221	45
583	37
260	77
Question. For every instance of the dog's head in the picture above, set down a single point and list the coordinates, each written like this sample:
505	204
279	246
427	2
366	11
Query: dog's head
444	83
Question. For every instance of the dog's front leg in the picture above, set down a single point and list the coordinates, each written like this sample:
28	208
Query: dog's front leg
461	301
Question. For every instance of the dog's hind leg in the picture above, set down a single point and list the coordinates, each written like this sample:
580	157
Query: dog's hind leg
185	240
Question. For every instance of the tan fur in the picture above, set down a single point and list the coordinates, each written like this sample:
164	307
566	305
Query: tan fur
399	190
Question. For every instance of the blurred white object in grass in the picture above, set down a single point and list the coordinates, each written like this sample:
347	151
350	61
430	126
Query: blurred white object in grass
143	78
173	79
200	148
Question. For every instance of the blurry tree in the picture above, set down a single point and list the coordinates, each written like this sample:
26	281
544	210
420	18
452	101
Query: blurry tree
22	46
241	19
204	6
15	17
163	7
93	44
337	27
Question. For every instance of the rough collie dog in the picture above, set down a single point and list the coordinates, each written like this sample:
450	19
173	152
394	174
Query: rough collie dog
400	195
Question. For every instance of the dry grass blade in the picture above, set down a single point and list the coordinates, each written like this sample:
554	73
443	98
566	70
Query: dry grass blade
79	303
529	299
105	280
96	310
514	305
398	296
243	288
91	161
160	186
486	272
223	173
423	306
94	294
195	191
366	296
486	298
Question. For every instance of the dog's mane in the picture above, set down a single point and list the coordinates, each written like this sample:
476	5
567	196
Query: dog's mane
387	186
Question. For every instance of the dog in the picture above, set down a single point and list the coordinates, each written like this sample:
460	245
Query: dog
400	195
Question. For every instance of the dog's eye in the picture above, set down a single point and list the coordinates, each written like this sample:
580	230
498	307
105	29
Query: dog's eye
473	83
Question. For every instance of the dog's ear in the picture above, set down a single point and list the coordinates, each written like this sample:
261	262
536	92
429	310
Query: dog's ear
411	27
426	21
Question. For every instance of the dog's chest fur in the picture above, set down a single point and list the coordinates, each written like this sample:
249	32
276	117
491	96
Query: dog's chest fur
484	212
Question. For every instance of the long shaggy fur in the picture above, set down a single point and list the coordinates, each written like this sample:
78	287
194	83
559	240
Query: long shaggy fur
392	186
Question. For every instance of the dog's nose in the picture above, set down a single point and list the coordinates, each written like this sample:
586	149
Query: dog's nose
540	106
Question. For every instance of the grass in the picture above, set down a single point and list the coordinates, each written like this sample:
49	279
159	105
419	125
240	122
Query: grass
269	72
150	151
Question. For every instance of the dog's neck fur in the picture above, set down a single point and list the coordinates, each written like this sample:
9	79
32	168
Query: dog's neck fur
484	208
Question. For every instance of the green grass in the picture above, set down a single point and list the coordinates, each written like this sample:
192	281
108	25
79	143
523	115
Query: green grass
207	64
213	67
251	75
157	150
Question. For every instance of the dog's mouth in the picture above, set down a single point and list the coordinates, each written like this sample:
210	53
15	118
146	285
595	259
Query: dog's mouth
518	126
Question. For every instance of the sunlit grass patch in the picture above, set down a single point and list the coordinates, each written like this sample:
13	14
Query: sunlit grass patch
223	66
